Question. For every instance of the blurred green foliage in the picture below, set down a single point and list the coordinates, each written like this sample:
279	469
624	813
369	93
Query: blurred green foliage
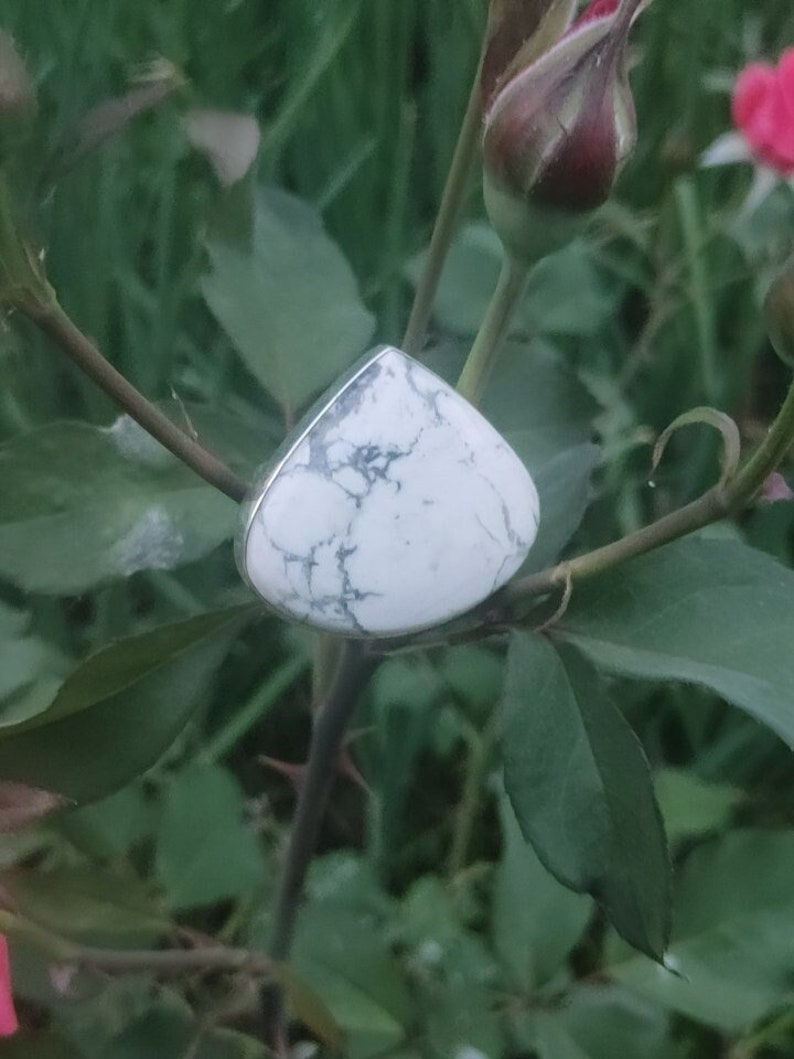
431	929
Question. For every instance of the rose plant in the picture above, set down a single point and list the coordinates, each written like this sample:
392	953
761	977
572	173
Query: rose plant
557	825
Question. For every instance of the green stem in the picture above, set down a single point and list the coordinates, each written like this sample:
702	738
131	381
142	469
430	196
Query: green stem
330	723
393	251
253	710
712	506
62	950
708	508
325	658
480	747
702	305
446	223
769	454
171	961
54	322
509	288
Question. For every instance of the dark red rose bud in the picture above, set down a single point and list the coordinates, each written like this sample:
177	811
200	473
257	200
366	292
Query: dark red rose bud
557	133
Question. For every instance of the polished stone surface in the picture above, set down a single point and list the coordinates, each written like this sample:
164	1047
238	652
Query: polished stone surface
397	507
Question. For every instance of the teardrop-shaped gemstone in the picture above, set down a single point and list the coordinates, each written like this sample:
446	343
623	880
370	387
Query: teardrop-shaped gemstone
393	506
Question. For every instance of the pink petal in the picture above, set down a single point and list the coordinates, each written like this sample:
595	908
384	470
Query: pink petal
784	133
785	76
8	1016
761	113
750	93
781	134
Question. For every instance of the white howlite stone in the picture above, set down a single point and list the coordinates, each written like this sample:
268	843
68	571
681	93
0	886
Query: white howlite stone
396	507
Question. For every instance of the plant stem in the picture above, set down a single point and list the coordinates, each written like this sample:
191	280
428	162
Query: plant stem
330	723
171	961
449	211
768	455
63	951
510	287
254	709
708	508
480	747
325	658
712	506
702	306
54	322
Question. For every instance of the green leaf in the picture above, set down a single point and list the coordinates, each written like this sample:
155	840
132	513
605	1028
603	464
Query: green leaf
709	612
170	1032
566	295
532	398
85	902
545	413
101	1013
463	1023
404	692
551	776
536	921
731	438
108	828
690	806
474	674
458	972
581	790
564	492
31	1045
288	302
600	1022
30	669
547	416
732	949
432	926
82	505
310	1009
122	708
126	662
205	850
550	1039
111	116
349	879
538	403
22	656
342	954
243	436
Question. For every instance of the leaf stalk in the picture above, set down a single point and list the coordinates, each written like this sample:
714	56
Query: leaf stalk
446	223
51	319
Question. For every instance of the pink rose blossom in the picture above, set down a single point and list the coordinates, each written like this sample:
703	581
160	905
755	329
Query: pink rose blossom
8	1016
763	111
